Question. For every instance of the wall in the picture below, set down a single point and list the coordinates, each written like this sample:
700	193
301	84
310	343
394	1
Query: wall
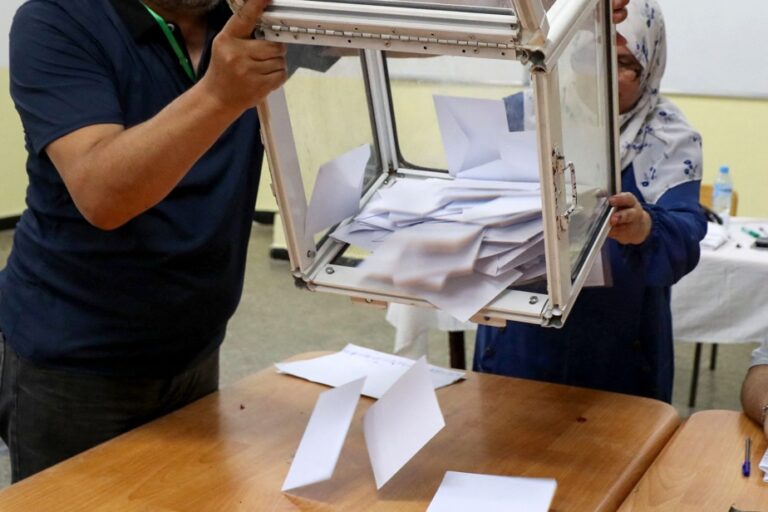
733	129
734	134
13	177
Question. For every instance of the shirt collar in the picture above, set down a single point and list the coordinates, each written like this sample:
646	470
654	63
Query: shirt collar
141	24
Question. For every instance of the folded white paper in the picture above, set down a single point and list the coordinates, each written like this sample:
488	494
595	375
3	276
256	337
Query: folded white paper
460	492
380	370
764	466
323	439
716	236
478	143
338	189
402	422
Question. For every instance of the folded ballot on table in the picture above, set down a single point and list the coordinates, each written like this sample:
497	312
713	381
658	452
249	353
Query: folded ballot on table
460	492
380	370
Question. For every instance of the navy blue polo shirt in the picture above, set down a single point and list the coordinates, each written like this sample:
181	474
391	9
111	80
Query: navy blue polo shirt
155	295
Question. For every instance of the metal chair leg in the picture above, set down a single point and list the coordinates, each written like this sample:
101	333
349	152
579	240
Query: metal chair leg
695	376
457	350
713	357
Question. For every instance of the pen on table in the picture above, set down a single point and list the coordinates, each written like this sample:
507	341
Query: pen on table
745	468
751	232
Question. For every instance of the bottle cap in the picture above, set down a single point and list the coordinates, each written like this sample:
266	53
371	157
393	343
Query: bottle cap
724	169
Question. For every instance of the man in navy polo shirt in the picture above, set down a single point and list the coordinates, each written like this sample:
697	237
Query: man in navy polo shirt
143	162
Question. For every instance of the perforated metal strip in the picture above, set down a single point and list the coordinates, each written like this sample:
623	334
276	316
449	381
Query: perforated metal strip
392	37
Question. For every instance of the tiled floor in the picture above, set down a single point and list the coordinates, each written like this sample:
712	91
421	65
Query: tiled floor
275	320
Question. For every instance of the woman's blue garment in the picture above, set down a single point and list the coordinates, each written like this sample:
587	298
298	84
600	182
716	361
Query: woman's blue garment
617	338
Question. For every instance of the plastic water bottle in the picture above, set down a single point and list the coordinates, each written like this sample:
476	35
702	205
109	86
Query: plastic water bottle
722	193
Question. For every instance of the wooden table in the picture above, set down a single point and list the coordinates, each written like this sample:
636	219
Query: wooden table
700	469
232	450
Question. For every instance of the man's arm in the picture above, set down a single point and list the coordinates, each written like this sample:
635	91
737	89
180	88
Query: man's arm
754	394
114	174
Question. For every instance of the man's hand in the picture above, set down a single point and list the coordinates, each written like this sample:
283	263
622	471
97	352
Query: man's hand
630	223
114	173
243	70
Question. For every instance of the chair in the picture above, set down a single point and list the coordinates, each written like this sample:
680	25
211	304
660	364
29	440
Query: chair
705	198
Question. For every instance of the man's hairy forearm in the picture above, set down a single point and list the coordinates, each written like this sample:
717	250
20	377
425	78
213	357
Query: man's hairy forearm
754	393
120	173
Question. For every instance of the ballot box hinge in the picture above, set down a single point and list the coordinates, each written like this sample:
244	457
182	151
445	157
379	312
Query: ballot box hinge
472	44
553	317
566	210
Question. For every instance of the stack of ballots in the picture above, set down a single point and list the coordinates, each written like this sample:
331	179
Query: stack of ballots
459	242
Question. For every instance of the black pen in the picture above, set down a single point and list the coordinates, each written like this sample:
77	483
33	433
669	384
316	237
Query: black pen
745	468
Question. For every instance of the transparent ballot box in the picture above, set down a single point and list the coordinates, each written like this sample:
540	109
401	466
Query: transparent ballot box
445	153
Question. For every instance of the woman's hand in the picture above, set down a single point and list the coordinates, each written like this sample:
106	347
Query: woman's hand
630	223
620	14
620	10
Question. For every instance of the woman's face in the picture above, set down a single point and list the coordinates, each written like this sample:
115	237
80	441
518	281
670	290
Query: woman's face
630	89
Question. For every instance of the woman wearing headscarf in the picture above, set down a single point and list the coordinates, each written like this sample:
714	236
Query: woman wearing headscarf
619	338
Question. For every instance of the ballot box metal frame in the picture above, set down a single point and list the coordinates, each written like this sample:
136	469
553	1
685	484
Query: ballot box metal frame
531	35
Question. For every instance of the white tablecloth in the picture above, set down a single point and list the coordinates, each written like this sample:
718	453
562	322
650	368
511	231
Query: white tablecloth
725	299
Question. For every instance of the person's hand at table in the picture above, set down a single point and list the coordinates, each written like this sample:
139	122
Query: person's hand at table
754	391
630	223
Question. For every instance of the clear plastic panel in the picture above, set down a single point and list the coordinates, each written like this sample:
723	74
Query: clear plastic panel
414	84
328	106
585	99
474	118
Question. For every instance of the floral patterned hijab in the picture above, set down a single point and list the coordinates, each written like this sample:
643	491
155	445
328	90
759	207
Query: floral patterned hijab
655	136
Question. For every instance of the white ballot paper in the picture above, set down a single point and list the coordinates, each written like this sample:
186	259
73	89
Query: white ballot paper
764	467
478	143
460	492
402	422
380	370
338	189
323	439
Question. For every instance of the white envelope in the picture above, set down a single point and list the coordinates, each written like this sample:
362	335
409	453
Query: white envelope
338	189
463	492
471	130
323	439
402	422
479	145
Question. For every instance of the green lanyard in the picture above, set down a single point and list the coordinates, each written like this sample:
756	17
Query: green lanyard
183	60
